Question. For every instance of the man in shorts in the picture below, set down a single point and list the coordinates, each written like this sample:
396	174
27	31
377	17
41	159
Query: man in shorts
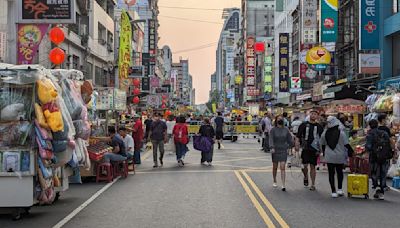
219	129
309	134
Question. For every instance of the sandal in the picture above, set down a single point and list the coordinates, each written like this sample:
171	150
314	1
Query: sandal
306	182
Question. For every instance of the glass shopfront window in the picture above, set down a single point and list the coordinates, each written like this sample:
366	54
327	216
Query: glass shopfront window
396	6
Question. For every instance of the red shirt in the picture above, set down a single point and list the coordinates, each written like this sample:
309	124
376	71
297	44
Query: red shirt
138	133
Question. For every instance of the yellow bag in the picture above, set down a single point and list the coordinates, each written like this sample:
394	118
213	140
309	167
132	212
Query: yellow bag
40	116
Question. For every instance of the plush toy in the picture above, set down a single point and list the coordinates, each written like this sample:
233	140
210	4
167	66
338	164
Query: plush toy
54	120
46	91
12	112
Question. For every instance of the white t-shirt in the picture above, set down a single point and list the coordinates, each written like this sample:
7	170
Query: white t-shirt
128	141
170	126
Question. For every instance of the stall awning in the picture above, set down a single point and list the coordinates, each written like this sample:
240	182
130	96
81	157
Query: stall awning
334	89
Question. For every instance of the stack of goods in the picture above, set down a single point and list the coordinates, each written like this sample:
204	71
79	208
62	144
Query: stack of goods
97	149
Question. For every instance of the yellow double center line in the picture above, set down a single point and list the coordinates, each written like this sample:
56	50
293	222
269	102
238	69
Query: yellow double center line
257	204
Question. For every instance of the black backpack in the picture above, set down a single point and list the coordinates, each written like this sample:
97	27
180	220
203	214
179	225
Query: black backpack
383	149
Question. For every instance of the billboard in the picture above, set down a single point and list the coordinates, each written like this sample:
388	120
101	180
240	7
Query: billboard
309	21
369	63
29	37
329	20
268	74
283	62
125	49
369	24
46	11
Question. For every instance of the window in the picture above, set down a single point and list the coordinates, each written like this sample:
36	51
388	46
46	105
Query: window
110	40
102	34
75	62
396	6
89	71
99	76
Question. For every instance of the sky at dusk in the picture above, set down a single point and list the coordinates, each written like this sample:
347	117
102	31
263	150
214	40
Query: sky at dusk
181	35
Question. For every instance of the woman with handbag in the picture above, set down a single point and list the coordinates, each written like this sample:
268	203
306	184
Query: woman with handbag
181	138
280	141
336	148
207	131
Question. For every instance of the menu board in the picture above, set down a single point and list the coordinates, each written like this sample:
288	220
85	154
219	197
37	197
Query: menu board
119	100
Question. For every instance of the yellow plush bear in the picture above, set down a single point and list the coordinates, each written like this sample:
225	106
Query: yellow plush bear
47	95
54	120
46	91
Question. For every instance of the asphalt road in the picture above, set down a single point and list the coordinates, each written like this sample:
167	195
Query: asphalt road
235	192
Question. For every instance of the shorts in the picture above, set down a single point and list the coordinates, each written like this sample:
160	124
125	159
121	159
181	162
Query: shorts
219	135
309	157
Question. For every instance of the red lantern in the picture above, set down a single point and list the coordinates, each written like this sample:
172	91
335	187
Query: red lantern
136	91
56	35
168	113
136	100
163	106
57	56
136	82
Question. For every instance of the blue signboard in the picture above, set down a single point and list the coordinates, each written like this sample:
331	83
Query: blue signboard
369	24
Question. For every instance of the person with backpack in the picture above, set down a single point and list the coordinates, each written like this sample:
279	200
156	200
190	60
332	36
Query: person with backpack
181	138
158	136
219	128
336	148
380	151
206	130
382	119
309	133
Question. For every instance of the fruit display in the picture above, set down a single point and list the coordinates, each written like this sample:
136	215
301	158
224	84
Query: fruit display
96	151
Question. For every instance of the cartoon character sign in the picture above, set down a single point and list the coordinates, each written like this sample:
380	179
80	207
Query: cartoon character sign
29	38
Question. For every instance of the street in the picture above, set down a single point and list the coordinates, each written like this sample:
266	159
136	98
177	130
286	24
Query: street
235	192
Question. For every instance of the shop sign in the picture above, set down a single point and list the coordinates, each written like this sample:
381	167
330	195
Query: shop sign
327	95
125	46
303	63
154	82
369	24
350	108
29	38
318	58
317	91
251	62
119	100
152	37
268	74
295	85
253	92
46	11
302	97
283	62
369	63
105	99
329	20
309	21
153	100
3	45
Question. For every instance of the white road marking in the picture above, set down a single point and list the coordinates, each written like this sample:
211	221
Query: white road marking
84	205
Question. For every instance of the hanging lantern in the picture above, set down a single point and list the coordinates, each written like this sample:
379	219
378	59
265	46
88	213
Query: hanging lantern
57	56
164	97
136	100
56	35
136	82
259	47
136	91
163	106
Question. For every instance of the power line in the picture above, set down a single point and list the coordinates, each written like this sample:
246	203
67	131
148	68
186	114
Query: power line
196	48
188	19
190	8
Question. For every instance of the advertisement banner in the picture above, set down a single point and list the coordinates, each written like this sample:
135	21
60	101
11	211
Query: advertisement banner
154	82
268	74
250	63
29	38
283	62
369	24
125	46
295	85
369	63
46	12
329	20
309	21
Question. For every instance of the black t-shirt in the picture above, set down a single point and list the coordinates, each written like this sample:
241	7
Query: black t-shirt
207	131
158	129
385	129
118	141
219	123
148	123
302	132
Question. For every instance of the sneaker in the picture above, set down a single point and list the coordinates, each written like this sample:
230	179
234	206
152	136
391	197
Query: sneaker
312	188
219	146
381	196
274	185
180	163
155	166
202	163
376	195
334	195
209	164
340	192
283	189
161	163
305	182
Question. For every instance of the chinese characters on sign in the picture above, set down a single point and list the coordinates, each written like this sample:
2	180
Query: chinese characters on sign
283	62
46	11
268	74
29	38
251	62
350	108
369	26
125	49
310	25
152	37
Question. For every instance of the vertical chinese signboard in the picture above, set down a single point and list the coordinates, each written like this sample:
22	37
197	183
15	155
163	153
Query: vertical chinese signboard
152	37
309	19
283	62
251	62
46	11
28	40
125	49
369	25
268	74
329	20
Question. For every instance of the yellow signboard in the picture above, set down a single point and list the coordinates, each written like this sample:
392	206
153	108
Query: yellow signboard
193	129
125	46
318	55
246	129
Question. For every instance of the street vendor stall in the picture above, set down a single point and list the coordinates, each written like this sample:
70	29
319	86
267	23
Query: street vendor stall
354	109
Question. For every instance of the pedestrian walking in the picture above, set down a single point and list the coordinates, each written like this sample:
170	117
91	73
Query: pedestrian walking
181	139
280	141
158	137
309	135
380	151
219	129
137	134
382	119
335	147
265	126
148	122
206	130
295	125
170	126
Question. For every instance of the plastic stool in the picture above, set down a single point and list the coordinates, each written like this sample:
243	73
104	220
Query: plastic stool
396	182
132	160
120	168
99	174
